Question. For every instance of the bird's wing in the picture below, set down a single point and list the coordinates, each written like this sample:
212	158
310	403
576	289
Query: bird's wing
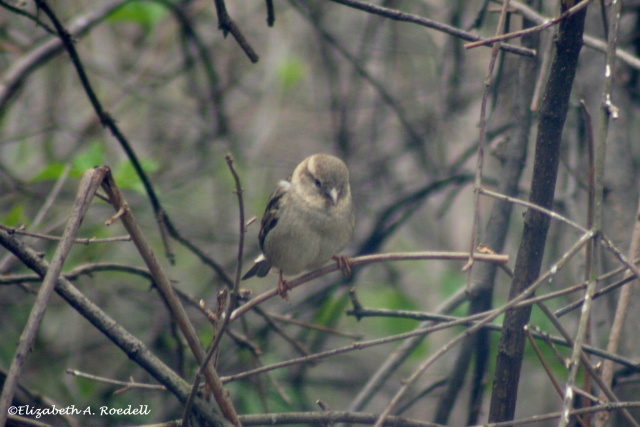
272	211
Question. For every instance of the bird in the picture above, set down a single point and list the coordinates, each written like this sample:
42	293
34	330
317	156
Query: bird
309	218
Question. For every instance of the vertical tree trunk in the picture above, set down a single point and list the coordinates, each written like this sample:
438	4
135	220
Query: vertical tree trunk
484	274
553	113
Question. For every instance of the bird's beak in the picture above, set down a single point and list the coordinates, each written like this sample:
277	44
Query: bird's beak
334	195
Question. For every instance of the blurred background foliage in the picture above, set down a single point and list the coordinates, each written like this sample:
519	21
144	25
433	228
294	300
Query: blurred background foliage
398	102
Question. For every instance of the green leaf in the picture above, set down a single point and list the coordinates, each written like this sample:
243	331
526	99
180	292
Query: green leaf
87	159
15	216
145	14
51	172
127	178
290	72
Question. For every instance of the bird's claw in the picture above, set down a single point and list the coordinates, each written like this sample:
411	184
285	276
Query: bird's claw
283	288
344	265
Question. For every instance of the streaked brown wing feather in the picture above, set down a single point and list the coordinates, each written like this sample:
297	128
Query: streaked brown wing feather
271	213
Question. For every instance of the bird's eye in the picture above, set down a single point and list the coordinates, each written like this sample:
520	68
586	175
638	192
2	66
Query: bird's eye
318	183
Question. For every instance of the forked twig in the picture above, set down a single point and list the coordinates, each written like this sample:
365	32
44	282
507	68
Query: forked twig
164	285
233	300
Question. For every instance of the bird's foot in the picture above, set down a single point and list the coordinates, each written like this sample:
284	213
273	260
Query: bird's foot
344	265
283	287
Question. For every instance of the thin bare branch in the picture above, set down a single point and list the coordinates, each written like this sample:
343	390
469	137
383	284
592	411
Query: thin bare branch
499	38
366	259
221	326
89	184
227	25
164	285
397	15
589	41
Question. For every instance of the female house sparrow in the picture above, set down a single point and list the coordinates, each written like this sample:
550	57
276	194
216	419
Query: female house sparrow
309	218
